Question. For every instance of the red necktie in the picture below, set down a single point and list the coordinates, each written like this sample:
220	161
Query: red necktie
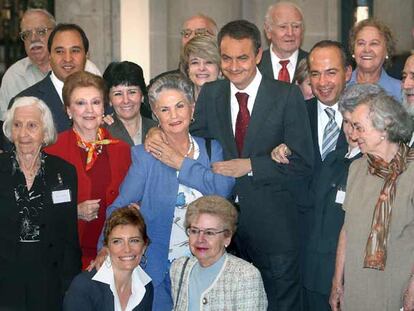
242	121
284	73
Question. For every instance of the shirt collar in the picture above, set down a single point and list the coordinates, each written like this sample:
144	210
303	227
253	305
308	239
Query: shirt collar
139	279
353	152
58	84
322	107
292	58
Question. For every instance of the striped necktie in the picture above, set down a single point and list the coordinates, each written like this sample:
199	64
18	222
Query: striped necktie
330	134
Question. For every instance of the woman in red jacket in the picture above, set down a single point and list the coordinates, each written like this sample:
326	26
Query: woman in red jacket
101	162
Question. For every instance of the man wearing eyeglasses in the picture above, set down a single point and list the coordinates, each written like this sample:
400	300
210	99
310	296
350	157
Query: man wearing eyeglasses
284	29
36	26
198	25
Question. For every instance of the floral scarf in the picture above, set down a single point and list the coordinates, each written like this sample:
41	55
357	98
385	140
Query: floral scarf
376	248
94	148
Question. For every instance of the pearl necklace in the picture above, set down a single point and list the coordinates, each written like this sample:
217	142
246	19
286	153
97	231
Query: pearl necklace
190	148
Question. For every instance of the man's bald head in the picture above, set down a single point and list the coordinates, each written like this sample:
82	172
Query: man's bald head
198	24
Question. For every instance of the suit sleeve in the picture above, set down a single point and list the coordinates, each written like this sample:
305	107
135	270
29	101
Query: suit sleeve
196	175
297	135
132	188
78	295
72	253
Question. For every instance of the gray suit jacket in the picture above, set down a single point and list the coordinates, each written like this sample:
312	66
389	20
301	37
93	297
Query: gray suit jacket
118	130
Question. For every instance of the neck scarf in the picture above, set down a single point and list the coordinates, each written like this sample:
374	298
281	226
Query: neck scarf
376	248
94	148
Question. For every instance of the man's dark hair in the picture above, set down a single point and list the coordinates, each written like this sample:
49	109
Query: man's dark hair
331	44
241	29
68	27
125	73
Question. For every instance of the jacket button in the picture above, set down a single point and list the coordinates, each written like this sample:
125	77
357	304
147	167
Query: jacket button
204	301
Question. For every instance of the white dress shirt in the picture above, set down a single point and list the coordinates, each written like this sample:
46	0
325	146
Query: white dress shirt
323	120
251	90
139	279
276	66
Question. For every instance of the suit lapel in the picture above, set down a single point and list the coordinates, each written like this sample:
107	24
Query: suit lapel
223	101
312	106
261	107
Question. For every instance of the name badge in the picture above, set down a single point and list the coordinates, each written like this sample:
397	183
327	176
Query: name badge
340	197
61	196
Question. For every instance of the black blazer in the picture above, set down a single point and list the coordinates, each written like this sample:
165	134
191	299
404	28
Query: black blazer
267	218
59	235
88	295
265	65
45	90
328	218
118	130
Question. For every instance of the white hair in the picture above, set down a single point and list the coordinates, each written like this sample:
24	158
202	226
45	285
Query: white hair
49	136
269	19
50	17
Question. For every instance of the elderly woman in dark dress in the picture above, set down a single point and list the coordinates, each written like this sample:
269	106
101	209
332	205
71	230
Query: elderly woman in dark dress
39	244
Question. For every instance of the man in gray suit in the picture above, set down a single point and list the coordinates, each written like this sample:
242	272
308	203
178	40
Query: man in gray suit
284	28
407	86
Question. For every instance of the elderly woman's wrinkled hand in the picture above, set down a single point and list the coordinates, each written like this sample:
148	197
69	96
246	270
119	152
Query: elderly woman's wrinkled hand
154	134
337	297
166	154
99	260
280	154
88	210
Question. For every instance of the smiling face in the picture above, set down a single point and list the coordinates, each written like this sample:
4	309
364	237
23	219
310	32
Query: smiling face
126	246
286	30
201	70
239	60
208	249
407	85
370	140
86	108
174	112
370	49
327	74
27	130
195	26
126	101
67	54
306	89
35	45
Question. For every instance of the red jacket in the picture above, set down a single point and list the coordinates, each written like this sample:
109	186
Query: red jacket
119	158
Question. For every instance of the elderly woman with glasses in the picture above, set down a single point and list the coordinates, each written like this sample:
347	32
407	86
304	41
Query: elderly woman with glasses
169	177
374	261
214	279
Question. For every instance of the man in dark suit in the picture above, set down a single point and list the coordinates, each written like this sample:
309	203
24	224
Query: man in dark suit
250	114
284	29
68	48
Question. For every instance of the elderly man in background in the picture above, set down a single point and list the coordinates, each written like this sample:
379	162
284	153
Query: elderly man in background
196	25
284	29
36	26
407	86
68	48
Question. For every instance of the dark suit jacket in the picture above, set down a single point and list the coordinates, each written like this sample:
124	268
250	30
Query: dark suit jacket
88	295
267	219
328	218
118	130
45	90
59	242
265	65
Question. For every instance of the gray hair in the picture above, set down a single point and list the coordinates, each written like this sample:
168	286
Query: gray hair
43	11
388	115
269	19
355	93
49	136
170	81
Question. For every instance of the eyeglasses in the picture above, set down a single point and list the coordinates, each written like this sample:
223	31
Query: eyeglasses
40	31
209	233
186	33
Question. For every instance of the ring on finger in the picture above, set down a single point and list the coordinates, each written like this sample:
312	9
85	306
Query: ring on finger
159	153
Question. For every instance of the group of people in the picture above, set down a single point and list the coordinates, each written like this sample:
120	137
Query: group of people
217	186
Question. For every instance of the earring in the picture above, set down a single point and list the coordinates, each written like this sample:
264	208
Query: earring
353	55
143	262
382	137
70	117
225	245
387	57
192	120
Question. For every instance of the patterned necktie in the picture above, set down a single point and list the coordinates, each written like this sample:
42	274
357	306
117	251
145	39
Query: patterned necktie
330	134
283	72
242	121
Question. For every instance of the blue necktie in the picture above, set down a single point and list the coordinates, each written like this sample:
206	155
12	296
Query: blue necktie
330	134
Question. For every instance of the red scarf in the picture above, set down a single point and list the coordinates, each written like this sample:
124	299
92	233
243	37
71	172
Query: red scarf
94	148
